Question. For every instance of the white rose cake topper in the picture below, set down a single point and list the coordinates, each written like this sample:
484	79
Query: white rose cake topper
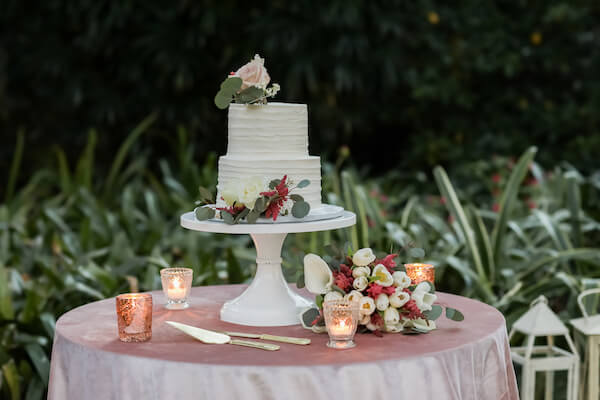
247	85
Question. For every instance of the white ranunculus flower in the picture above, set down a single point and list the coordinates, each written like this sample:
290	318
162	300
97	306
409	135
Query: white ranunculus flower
250	189
382	275
423	299
382	302
318	277
364	319
360	283
401	280
367	306
229	193
363	257
333	295
391	316
423	324
399	298
361	271
354	295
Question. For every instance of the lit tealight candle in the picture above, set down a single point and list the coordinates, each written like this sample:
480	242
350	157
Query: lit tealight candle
341	327
420	272
176	290
341	320
176	283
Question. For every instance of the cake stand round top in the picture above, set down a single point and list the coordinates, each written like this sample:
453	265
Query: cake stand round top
189	221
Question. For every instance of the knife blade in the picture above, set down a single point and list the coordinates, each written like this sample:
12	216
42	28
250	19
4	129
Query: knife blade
212	337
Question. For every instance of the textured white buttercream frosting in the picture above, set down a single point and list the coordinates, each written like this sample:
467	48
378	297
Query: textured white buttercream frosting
270	141
273	130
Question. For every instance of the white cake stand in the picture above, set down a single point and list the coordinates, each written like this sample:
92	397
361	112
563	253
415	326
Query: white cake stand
268	301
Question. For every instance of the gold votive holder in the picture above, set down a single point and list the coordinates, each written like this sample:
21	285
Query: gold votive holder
176	285
134	317
420	272
341	320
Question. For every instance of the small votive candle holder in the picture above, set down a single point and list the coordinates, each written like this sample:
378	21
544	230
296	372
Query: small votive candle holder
176	284
420	273
134	317
341	320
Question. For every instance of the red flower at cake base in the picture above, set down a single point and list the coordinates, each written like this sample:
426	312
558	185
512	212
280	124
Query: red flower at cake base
278	197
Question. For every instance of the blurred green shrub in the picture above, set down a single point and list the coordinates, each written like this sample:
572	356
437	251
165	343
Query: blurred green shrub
446	82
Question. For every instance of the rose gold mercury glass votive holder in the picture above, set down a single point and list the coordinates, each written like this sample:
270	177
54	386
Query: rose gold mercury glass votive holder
420	272
134	317
341	320
176	284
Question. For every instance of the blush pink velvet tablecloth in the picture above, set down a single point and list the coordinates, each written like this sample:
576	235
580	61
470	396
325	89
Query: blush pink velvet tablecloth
459	361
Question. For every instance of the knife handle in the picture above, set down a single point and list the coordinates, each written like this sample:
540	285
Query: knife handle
256	345
285	339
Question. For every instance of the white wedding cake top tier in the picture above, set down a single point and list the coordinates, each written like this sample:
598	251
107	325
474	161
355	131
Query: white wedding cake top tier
272	131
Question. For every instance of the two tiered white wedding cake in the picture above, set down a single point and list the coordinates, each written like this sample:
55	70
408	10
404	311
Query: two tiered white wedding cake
270	141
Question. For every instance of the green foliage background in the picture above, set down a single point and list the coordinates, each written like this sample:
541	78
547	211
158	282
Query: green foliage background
89	195
442	81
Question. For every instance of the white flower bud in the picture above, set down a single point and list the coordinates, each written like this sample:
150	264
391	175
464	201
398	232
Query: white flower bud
382	302
363	257
360	283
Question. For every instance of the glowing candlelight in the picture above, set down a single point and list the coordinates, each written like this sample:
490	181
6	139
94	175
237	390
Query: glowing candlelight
341	320
420	272
176	283
176	290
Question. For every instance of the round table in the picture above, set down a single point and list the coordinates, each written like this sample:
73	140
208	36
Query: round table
467	360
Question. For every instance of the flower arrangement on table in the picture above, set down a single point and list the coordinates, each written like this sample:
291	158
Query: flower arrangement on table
247	85
388	300
251	198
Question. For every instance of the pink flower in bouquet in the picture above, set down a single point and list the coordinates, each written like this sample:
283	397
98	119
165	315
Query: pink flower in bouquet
254	74
343	281
374	290
388	262
344	269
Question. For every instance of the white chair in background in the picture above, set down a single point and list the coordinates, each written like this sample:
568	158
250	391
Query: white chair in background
541	321
589	326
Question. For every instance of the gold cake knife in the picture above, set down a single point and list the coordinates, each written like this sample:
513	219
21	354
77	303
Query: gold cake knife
273	338
211	337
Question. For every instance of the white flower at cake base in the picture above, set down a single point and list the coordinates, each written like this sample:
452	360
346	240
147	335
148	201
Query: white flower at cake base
229	193
382	275
354	295
363	257
366	306
382	302
360	271
254	74
360	283
249	190
317	274
401	279
399	298
332	296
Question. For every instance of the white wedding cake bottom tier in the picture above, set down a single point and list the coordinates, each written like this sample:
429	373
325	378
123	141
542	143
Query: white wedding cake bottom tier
235	169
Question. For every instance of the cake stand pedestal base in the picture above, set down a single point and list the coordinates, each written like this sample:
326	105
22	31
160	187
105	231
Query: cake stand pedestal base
268	301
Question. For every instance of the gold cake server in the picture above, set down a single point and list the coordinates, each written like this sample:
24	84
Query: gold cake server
211	337
274	338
